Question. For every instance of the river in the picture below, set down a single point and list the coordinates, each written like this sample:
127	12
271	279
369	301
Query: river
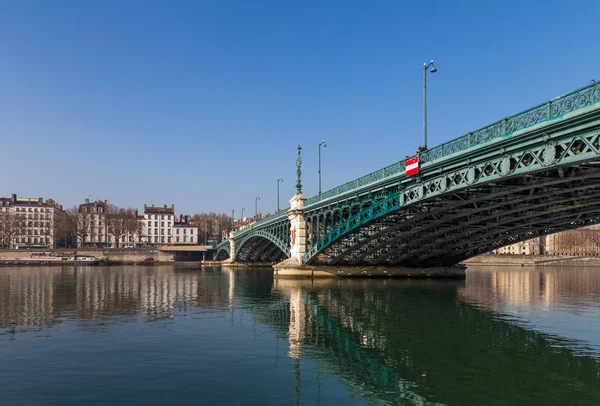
187	336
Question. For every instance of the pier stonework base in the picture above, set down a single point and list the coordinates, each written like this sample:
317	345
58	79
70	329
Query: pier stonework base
293	267
231	258
297	228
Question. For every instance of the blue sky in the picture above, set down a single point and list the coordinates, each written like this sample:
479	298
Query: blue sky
201	104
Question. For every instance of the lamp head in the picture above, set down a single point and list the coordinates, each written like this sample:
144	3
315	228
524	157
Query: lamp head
433	69
280	180
323	144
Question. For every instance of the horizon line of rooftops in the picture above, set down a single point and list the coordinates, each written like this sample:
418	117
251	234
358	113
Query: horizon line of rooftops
98	206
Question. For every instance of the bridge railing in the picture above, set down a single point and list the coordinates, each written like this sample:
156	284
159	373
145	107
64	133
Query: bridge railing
262	222
552	109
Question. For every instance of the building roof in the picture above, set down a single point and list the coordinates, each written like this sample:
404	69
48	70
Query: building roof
30	201
96	204
159	210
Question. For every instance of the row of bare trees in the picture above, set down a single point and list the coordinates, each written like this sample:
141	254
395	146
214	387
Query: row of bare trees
115	222
211	226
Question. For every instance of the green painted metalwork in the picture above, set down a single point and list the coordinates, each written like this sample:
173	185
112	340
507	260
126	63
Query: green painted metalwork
553	109
368	219
223	250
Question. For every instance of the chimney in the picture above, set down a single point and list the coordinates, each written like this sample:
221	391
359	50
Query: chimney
106	201
87	201
165	206
14	197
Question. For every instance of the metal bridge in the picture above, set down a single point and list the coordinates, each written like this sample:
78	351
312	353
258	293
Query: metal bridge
531	174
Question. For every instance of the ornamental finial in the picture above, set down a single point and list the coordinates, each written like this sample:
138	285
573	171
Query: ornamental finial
299	172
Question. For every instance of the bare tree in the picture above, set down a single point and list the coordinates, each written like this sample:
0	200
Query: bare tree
81	223
117	220
211	225
12	225
133	225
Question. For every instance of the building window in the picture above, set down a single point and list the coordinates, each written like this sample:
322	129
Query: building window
162	223
177	231
177	239
162	231
155	239
162	239
169	231
156	231
149	224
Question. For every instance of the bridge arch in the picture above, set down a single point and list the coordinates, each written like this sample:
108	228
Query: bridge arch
261	246
223	252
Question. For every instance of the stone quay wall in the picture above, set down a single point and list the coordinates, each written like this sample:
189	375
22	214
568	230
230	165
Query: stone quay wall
114	255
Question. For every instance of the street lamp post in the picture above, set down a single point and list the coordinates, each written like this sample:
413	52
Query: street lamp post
432	70
324	145
232	220
256	206
278	180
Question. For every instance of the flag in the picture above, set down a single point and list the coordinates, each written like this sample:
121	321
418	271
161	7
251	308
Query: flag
412	166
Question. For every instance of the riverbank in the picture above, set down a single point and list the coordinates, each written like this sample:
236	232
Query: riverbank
107	256
532	260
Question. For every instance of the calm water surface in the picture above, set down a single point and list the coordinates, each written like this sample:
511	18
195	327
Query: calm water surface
184	336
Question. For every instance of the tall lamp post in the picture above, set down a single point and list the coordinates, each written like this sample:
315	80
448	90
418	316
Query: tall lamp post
256	206
432	70
278	181
324	145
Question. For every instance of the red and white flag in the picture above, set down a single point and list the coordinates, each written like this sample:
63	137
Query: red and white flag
412	166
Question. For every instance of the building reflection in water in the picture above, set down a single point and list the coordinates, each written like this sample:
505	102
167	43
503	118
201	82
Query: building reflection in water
565	287
38	296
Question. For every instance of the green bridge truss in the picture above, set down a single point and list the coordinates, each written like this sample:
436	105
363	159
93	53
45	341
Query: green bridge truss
528	175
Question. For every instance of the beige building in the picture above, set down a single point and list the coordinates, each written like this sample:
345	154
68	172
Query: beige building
27	222
92	219
584	241
97	229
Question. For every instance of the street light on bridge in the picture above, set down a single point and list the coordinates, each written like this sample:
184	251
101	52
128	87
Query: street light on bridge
256	206
278	180
324	145
432	70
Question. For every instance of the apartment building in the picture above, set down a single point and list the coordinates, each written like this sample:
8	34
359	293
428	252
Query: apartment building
29	222
158	224
92	219
184	232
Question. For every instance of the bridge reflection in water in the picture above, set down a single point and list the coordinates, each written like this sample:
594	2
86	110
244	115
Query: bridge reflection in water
397	341
424	342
